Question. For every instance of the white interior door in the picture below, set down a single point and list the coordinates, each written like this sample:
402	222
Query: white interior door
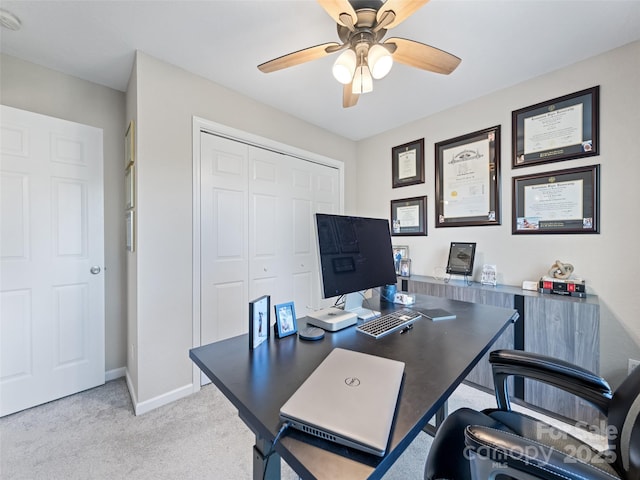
52	254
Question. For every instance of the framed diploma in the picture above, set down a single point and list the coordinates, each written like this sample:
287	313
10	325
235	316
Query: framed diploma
407	164
409	216
555	130
468	179
565	201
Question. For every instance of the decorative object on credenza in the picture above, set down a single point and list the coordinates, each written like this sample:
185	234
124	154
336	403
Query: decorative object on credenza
259	321
468	179
405	267
561	270
460	260
286	323
564	201
409	216
570	287
489	275
399	252
407	164
559	129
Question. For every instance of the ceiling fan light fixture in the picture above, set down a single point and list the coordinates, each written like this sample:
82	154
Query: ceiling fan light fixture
362	80
345	66
380	61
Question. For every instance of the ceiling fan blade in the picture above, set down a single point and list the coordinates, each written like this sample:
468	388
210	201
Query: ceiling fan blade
401	10
341	11
426	57
349	99
301	56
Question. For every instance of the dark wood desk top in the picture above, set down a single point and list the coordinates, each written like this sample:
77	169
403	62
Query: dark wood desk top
437	356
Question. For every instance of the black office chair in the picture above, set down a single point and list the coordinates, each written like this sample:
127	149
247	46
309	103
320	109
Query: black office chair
501	444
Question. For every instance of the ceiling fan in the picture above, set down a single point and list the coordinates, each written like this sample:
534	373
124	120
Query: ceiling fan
362	24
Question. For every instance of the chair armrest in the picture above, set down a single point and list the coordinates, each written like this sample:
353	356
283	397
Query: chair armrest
560	374
490	451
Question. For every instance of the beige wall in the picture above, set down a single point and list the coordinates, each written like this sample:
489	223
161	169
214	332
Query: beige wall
30	87
167	99
608	262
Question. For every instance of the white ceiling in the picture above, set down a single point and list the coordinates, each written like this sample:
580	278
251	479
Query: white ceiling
501	43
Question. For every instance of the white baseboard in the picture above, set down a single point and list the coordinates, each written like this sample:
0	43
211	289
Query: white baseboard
115	373
159	401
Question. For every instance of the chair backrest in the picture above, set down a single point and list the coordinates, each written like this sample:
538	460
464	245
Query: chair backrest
624	425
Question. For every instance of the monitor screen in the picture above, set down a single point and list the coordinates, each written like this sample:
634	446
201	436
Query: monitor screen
355	254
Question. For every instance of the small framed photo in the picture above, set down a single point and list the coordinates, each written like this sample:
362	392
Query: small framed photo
399	252
285	320
407	164
405	267
259	321
489	275
461	257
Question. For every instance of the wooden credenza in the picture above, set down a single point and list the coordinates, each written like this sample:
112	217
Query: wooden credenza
559	326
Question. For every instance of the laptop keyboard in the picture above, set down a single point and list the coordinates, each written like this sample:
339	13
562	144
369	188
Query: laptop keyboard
388	323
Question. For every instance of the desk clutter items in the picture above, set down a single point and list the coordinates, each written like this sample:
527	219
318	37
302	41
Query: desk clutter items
311	333
259	321
404	299
560	281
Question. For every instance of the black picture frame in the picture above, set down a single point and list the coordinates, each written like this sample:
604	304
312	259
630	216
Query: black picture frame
563	201
407	164
409	216
259	321
467	172
461	258
286	323
559	129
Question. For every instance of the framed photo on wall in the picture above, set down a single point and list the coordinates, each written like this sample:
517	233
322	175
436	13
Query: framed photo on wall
555	130
407	164
259	321
564	201
468	179
409	216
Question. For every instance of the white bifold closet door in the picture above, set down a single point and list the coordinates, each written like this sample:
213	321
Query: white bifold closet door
257	231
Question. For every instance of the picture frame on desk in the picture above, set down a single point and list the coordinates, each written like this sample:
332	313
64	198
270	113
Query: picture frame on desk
286	323
399	252
259	321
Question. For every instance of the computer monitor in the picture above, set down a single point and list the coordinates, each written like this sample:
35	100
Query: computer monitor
355	255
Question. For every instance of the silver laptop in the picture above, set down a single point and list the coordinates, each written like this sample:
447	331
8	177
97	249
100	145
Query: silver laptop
350	398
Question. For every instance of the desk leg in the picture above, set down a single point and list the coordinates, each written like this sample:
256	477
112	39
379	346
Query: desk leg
441	414
260	450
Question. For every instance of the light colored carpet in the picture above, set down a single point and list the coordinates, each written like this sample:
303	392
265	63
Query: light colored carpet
95	435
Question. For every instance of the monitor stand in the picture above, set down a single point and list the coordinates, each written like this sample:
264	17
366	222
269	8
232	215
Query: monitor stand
353	304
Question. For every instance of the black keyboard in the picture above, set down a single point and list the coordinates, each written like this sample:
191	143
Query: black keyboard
388	323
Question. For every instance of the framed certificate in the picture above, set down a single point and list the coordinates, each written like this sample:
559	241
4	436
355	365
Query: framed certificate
407	164
468	179
559	129
565	201
409	216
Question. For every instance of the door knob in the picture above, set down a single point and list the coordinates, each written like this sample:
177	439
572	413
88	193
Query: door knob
95	270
